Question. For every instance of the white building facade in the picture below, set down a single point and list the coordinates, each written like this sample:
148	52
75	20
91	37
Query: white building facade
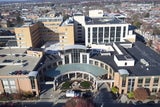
105	33
101	30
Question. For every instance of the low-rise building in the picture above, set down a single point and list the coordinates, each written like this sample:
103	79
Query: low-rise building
18	72
126	66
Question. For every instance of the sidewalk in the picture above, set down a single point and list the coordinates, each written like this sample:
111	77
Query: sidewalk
125	99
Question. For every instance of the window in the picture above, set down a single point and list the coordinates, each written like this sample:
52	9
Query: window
32	82
106	33
100	35
124	31
94	35
147	80
106	67
123	81
9	86
90	61
154	90
111	71
156	80
102	65
139	85
84	58
66	59
112	34
12	82
88	35
140	80
5	82
60	63
75	55
96	63
131	84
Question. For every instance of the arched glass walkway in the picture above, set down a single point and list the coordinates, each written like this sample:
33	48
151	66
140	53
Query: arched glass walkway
96	71
83	71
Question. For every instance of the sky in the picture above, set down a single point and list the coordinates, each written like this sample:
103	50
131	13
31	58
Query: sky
12	0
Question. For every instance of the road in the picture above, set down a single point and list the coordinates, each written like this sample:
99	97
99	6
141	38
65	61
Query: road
102	99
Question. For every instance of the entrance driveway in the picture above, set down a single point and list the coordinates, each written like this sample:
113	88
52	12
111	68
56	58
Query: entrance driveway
103	97
47	91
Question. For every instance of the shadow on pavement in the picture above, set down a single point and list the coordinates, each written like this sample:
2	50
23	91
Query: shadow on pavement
59	105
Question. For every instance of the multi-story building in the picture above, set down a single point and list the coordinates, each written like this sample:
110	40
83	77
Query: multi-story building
56	30
28	35
101	30
50	30
7	38
124	65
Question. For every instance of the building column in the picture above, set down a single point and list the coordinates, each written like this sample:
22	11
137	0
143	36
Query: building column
42	74
54	86
68	76
110	84
76	75
89	77
96	85
82	75
61	78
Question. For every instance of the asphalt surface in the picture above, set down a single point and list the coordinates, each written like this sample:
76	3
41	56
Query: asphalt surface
102	98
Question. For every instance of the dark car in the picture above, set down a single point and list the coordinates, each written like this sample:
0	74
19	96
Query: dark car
150	102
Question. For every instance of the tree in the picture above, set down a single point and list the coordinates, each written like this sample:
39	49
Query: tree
66	16
149	43
78	102
131	95
85	84
146	15
19	20
156	31
114	90
137	24
141	94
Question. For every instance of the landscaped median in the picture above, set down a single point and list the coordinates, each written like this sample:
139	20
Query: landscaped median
17	96
78	84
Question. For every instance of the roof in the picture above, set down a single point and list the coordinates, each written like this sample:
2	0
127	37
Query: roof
123	72
138	51
75	47
33	74
102	20
18	61
76	67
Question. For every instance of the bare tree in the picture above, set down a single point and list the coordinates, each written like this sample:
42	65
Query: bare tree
78	102
141	94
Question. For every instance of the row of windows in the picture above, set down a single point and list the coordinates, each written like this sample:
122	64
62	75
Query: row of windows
147	80
9	86
105	34
131	83
75	56
102	65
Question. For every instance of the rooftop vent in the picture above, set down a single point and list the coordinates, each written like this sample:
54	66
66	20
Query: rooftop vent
144	62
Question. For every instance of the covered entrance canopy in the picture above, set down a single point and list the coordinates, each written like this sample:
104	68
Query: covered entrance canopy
96	71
